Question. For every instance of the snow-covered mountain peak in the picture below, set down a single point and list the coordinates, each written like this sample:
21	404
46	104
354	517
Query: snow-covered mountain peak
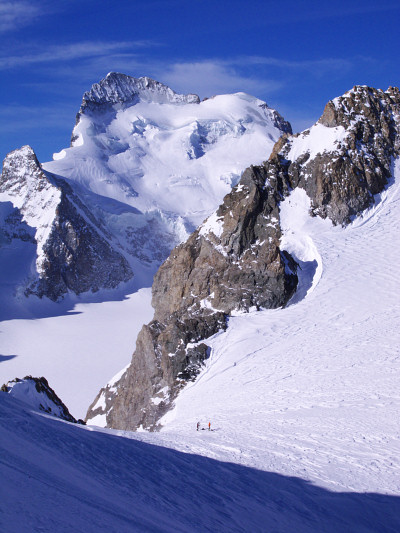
70	242
24	183
117	88
152	153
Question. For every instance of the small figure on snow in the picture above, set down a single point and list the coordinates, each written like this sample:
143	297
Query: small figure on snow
198	425
209	426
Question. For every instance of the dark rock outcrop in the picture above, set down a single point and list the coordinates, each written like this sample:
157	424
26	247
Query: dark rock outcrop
344	159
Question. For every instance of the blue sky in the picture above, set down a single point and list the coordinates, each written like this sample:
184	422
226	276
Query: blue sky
295	55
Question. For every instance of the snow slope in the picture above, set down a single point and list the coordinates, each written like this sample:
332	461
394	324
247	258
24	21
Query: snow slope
62	477
312	390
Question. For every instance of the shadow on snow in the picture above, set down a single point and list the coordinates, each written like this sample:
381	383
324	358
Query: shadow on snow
106	482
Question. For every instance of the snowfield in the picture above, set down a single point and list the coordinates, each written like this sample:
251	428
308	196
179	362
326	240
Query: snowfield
77	346
303	402
61	477
179	160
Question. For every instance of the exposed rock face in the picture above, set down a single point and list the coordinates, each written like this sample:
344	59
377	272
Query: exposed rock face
279	122
38	394
344	159
233	261
117	88
73	250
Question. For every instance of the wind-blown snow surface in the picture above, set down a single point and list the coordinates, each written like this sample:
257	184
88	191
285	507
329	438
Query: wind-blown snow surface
61	477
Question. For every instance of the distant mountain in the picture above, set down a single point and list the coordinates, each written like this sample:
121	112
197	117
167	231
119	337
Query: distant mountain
146	166
237	259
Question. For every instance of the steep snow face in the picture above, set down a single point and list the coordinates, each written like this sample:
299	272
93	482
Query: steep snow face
317	140
166	153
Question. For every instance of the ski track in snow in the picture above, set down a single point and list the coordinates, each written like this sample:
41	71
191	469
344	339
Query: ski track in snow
312	390
63	478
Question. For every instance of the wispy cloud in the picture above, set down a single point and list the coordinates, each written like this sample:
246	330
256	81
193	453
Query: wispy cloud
212	77
303	65
68	52
17	14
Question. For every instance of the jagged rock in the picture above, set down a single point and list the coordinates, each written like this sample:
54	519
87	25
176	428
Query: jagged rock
346	157
233	261
277	119
117	88
73	249
39	395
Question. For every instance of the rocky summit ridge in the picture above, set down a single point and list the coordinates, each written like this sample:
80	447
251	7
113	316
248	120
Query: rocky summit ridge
234	262
117	88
